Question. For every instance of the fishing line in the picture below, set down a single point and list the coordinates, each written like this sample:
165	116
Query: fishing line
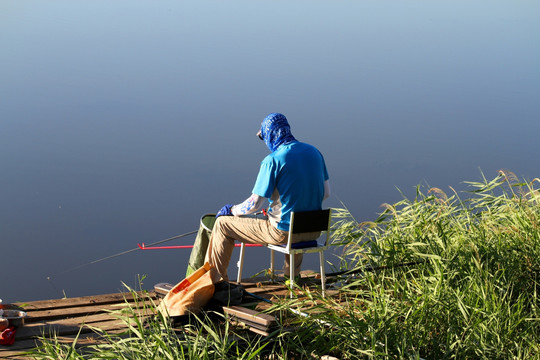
55	288
116	255
370	268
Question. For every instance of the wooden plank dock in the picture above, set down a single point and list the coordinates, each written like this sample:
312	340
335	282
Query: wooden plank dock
73	318
66	318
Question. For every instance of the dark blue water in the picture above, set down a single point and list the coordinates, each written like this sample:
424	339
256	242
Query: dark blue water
124	122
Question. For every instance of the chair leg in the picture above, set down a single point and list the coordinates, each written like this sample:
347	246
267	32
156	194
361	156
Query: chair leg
272	265
323	275
240	264
291	273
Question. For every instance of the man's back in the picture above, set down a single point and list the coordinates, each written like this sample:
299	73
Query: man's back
295	175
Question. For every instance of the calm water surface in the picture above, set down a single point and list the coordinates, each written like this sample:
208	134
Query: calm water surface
123	122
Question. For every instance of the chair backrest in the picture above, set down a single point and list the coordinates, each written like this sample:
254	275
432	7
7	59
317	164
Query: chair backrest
310	221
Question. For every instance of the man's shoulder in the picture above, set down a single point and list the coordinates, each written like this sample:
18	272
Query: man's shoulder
284	152
297	145
303	147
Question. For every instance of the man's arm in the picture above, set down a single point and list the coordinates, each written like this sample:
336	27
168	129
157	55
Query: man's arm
326	190
250	206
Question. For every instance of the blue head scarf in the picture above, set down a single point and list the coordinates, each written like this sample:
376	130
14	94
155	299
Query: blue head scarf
275	131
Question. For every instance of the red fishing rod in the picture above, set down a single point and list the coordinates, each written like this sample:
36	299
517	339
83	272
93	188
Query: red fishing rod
144	247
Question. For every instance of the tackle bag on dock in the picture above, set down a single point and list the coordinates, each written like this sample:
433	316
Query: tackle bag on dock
196	259
191	294
226	294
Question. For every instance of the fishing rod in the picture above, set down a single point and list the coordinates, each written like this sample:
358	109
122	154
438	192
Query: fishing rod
373	268
145	247
120	254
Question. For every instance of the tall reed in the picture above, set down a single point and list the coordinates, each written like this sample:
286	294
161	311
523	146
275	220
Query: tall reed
473	293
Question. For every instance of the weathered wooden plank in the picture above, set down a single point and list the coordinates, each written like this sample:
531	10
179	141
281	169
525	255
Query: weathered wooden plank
81	301
73	325
241	312
57	313
17	350
19	346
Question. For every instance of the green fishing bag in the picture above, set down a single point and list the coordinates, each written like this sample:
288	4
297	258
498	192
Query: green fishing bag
198	253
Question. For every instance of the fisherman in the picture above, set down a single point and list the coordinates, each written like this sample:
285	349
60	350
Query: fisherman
293	177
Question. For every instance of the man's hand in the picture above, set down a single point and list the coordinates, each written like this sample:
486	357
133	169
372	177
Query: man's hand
225	211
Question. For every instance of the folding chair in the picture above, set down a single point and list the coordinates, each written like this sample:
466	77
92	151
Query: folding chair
301	223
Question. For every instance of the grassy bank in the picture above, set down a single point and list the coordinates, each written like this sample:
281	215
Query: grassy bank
472	293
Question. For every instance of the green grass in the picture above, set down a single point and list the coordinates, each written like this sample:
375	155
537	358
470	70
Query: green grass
472	293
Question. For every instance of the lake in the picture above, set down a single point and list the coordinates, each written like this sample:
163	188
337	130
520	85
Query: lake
124	122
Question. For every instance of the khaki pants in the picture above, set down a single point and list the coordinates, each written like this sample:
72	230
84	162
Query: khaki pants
249	230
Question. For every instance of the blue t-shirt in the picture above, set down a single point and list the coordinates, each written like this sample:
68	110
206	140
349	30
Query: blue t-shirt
292	177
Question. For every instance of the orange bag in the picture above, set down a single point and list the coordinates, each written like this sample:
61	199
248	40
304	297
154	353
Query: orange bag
191	294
